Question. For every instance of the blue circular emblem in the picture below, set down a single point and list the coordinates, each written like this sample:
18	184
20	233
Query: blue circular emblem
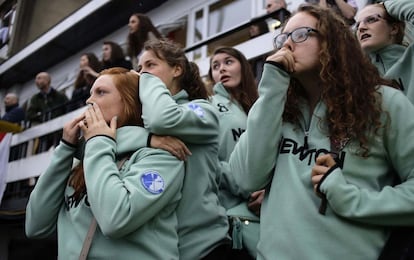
152	182
197	109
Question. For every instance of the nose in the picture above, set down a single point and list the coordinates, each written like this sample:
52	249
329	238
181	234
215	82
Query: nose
222	67
89	100
288	44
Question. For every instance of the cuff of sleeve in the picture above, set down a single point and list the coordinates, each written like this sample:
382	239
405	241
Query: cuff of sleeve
318	188
68	144
280	66
107	136
149	140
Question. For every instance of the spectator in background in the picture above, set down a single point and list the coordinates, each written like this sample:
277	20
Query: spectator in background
5	21
14	113
258	29
48	103
113	56
43	106
280	13
141	29
345	8
89	67
380	32
257	63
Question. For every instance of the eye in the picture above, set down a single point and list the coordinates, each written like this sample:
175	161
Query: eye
299	35
215	66
371	19
229	62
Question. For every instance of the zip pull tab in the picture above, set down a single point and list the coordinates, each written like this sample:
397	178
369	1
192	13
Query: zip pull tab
305	145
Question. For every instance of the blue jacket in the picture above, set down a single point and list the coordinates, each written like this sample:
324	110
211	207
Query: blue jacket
14	114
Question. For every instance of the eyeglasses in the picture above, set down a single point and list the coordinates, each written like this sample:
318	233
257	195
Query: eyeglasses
298	35
368	20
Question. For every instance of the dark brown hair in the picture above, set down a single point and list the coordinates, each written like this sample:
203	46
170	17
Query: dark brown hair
116	52
87	80
137	39
246	93
190	79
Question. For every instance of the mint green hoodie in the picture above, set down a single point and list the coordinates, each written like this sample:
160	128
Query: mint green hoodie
396	61
202	221
232	124
362	203
136	218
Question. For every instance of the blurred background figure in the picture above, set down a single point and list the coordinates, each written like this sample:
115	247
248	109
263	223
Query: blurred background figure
345	8
141	29
43	106
280	13
14	113
48	103
257	63
89	68
113	56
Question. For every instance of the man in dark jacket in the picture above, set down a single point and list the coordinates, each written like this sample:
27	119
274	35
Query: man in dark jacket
14	113
43	106
46	104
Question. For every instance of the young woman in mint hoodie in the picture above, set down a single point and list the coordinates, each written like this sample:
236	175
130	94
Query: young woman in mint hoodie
235	91
380	32
134	203
174	103
329	138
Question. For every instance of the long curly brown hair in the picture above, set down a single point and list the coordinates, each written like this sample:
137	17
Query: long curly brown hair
349	82
127	83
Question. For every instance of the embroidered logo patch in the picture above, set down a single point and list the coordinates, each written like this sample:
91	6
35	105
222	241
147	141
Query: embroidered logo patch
152	182
197	109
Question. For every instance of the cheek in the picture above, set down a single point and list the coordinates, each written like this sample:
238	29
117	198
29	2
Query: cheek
216	76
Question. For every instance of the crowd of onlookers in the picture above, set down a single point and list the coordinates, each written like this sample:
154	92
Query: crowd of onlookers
49	103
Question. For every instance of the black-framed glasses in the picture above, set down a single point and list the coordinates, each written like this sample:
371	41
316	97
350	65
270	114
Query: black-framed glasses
298	35
368	20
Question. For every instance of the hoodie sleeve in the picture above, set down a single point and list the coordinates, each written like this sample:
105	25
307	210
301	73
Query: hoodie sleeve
254	156
391	205
402	9
47	198
193	122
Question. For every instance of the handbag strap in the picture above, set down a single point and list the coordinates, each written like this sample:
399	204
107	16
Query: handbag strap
88	240
92	227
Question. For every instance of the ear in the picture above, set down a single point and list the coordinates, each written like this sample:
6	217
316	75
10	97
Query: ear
177	71
394	29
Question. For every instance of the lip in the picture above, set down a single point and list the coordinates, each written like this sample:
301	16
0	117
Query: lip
224	78
364	36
